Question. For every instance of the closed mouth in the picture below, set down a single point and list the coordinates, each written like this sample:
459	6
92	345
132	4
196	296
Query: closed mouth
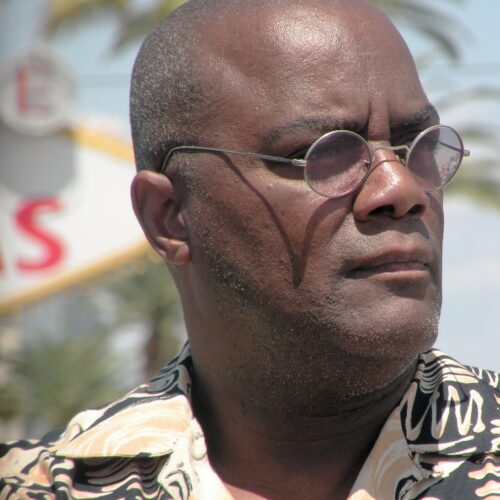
392	267
392	263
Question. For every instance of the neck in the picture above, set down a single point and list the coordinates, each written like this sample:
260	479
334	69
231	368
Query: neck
290	454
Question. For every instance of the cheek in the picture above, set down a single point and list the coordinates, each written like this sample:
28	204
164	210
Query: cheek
264	226
297	224
242	226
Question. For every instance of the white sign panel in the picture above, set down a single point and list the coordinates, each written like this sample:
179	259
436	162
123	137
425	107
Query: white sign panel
65	211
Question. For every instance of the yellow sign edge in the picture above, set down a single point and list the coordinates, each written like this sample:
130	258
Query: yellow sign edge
72	278
116	148
104	142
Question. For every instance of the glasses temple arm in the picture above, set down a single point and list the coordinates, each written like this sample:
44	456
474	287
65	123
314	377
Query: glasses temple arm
465	152
259	156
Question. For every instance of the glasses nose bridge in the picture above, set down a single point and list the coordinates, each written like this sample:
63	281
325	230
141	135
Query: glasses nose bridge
394	149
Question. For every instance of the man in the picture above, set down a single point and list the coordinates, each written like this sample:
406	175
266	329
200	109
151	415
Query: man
310	277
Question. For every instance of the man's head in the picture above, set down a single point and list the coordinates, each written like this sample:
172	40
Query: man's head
280	286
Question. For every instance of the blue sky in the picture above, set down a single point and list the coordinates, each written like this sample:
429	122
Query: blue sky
471	311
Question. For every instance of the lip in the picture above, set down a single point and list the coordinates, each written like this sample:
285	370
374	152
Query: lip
392	262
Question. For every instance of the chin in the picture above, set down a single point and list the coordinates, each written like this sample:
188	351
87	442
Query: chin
384	321
392	333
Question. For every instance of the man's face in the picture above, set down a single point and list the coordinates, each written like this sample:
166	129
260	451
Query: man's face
360	274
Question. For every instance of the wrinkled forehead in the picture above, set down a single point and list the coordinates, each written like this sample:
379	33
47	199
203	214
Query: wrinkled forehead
282	55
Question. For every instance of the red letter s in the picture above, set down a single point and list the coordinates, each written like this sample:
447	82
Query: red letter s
26	221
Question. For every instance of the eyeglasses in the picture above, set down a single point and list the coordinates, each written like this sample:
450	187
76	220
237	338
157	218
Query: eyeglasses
339	162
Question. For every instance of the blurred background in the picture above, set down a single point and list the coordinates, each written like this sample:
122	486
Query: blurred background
86	310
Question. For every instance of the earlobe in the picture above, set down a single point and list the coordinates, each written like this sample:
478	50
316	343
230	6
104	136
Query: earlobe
174	251
156	205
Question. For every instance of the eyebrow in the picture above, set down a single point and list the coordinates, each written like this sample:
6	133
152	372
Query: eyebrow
416	119
317	125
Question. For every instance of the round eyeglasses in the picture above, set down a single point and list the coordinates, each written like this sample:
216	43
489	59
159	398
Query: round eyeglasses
339	162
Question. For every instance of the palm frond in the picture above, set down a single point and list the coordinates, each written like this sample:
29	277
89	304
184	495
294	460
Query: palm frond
468	96
135	26
446	31
61	376
70	13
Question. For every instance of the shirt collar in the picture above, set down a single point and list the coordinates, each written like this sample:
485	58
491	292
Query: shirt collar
149	421
448	408
443	412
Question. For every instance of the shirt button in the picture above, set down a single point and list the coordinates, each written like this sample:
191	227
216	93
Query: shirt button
198	447
438	471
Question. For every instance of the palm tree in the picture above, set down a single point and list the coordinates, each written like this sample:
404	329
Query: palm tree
59	370
144	292
134	24
430	22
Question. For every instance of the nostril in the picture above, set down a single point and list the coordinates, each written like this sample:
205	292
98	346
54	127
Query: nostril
398	209
392	211
383	210
417	209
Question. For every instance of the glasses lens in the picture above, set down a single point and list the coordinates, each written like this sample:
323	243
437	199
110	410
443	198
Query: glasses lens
435	157
337	163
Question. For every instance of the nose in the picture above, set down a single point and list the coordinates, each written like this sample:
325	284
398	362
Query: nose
390	190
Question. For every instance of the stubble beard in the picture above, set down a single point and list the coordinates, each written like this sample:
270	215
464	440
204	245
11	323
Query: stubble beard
308	360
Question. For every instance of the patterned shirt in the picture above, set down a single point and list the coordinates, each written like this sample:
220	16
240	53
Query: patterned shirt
441	442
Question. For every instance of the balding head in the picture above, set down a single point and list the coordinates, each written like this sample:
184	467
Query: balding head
201	57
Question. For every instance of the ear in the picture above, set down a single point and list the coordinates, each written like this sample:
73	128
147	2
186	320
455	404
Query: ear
156	206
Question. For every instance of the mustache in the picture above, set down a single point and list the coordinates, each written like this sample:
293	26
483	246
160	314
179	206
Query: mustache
392	247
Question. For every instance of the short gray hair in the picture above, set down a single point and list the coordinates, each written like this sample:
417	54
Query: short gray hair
166	93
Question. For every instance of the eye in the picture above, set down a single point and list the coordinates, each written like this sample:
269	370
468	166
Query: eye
289	171
406	139
299	154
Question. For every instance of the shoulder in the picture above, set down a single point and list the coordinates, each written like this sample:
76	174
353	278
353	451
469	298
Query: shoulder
36	469
437	372
122	445
25	466
449	401
451	419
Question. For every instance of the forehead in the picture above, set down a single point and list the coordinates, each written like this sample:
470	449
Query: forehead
332	63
